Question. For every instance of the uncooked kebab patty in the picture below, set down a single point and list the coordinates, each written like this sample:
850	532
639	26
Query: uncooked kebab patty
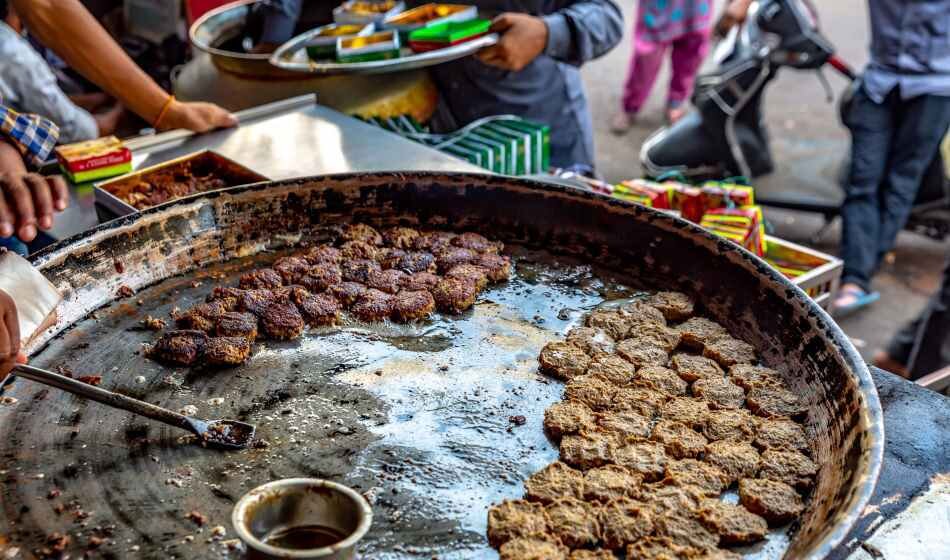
574	522
780	433
553	482
611	482
707	478
514	519
679	440
623	521
695	331
611	367
691	367
675	306
565	418
533	549
734	524
563	360
776	501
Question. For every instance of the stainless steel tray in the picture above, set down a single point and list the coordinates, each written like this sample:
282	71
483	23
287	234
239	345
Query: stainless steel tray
292	56
110	193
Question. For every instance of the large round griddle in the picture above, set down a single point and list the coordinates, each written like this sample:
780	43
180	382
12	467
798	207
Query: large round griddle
417	417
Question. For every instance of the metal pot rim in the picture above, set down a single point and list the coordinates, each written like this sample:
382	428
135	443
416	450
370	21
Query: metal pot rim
247	500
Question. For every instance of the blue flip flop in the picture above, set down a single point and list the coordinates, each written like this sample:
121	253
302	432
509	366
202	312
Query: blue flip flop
863	299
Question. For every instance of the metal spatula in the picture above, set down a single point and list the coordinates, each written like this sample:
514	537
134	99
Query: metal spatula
226	434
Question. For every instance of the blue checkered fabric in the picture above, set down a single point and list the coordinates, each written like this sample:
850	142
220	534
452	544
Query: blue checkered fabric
34	136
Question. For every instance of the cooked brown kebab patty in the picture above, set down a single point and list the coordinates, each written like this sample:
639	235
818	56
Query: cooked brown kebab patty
412	305
234	323
227	350
663	411
374	275
179	348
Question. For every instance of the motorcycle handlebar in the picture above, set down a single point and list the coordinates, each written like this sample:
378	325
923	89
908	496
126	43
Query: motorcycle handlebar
842	67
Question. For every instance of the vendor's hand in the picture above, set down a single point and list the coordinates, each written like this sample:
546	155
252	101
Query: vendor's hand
734	14
197	117
523	38
10	354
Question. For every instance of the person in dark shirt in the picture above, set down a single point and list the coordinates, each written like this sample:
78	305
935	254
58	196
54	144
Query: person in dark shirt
533	72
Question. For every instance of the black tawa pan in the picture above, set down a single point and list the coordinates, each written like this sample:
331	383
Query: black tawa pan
424	419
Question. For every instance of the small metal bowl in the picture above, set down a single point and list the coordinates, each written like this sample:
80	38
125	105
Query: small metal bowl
301	502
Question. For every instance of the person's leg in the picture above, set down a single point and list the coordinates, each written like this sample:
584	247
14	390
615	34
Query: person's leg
871	126
920	128
644	68
689	51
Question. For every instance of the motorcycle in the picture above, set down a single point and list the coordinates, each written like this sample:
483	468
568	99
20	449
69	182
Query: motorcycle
726	134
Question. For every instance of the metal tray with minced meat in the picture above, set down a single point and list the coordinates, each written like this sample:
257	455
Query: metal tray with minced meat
663	412
398	274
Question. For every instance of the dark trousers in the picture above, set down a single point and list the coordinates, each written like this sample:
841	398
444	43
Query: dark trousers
892	144
923	345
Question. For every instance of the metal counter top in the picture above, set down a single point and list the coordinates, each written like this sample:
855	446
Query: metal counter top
288	139
909	514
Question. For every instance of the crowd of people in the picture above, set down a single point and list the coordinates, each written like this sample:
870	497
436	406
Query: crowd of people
899	114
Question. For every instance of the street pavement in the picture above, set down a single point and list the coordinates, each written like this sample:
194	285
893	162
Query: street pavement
808	144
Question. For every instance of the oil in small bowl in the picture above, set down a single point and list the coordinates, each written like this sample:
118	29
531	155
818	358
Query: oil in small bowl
304	537
302	518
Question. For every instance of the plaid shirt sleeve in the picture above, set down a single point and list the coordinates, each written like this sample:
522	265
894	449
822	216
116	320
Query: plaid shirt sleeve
34	136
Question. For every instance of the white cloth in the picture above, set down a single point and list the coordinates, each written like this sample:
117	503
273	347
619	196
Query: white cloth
36	297
28	85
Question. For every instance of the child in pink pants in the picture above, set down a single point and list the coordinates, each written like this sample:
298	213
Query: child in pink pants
681	26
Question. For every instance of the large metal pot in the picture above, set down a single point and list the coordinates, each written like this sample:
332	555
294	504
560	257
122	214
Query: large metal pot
741	291
224	23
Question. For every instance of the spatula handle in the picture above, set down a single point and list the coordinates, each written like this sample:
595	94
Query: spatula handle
108	398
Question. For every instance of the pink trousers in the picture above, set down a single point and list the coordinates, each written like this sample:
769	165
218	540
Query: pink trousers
688	52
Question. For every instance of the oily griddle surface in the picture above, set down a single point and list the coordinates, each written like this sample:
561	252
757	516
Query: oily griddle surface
415	417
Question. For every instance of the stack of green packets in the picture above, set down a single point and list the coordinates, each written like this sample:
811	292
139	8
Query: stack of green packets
506	145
